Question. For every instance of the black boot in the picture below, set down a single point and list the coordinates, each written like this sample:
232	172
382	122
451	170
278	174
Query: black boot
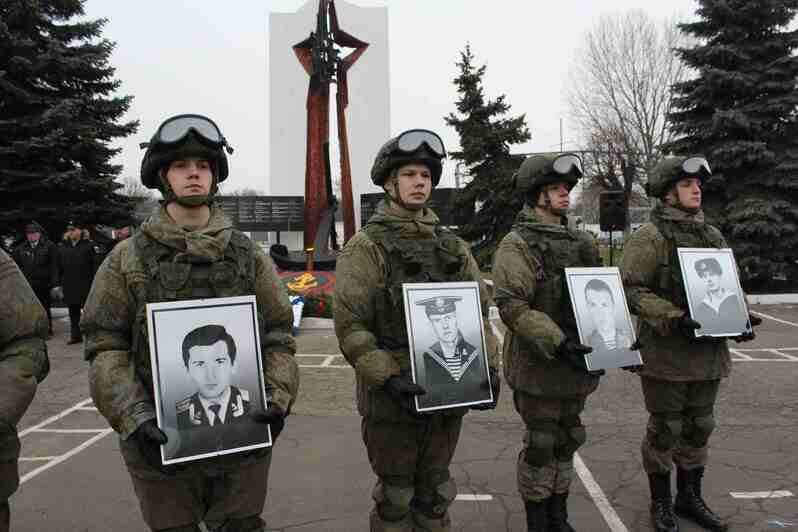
536	517
689	503
661	508
557	508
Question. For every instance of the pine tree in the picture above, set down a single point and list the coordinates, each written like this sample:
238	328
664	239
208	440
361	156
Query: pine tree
58	115
485	139
740	111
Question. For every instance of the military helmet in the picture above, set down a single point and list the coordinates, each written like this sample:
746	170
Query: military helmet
184	136
539	170
415	146
672	169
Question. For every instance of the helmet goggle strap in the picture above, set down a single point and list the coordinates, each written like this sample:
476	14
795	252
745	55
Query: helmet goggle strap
568	163
696	166
176	129
412	140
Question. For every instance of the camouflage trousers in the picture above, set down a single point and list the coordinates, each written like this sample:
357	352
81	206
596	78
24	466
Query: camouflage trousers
411	460
226	498
554	432
680	423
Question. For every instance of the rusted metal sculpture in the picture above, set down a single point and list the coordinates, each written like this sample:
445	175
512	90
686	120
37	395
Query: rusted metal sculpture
320	55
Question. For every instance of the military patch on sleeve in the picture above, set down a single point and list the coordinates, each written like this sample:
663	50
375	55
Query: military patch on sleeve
183	405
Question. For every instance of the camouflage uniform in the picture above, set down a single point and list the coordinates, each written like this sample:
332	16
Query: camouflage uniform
410	454
530	291
167	262
23	364
681	376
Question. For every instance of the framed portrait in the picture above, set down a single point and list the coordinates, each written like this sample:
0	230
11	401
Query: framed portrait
714	294
602	317
448	354
207	376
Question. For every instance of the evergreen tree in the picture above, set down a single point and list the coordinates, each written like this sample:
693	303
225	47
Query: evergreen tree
57	118
740	111
486	135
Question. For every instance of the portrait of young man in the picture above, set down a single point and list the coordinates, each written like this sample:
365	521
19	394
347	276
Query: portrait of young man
216	416
606	334
454	372
719	306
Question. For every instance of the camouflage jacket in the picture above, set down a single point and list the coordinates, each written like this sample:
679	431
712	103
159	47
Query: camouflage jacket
114	320
653	284
371	338
23	356
533	301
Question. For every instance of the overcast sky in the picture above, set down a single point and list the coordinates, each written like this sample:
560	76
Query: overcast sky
210	57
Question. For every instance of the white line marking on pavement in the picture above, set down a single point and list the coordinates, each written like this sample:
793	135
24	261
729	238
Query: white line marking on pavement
71	431
741	356
592	487
91	408
65	456
777	494
785	355
601	501
473	497
37	458
768	316
56	417
328	361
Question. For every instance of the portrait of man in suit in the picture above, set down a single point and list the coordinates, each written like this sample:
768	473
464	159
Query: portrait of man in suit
606	335
454	369
216	416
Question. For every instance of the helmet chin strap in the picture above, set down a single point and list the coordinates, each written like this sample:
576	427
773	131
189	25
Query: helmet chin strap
672	199
547	206
397	198
186	201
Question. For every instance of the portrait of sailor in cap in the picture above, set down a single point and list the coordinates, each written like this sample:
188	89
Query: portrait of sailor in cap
454	369
719	304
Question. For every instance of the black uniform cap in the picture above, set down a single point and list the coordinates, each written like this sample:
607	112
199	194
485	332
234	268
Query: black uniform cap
439	304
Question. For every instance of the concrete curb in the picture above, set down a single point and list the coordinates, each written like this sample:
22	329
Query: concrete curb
772	299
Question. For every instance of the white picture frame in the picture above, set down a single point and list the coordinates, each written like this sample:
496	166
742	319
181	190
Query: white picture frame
459	380
707	270
189	383
602	317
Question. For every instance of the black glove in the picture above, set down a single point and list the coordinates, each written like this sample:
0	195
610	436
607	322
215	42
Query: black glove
754	320
745	337
149	439
634	368
686	326
496	386
403	390
573	353
272	416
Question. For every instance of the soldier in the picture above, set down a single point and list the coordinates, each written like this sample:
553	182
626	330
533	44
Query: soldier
77	262
403	242
187	249
544	362
682	373
23	364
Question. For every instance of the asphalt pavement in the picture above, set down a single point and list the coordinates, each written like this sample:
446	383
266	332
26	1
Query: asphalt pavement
74	478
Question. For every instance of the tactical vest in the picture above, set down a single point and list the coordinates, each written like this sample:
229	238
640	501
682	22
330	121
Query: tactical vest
167	280
426	259
552	253
685	234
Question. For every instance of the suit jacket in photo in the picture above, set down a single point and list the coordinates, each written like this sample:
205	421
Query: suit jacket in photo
197	436
442	388
622	341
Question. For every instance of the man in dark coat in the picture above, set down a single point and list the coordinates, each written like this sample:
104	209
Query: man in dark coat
77	263
454	372
37	257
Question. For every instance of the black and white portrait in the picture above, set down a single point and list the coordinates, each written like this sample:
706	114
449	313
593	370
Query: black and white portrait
447	344
602	317
713	291
208	376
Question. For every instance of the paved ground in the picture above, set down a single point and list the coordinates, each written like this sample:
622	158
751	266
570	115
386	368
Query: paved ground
74	479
